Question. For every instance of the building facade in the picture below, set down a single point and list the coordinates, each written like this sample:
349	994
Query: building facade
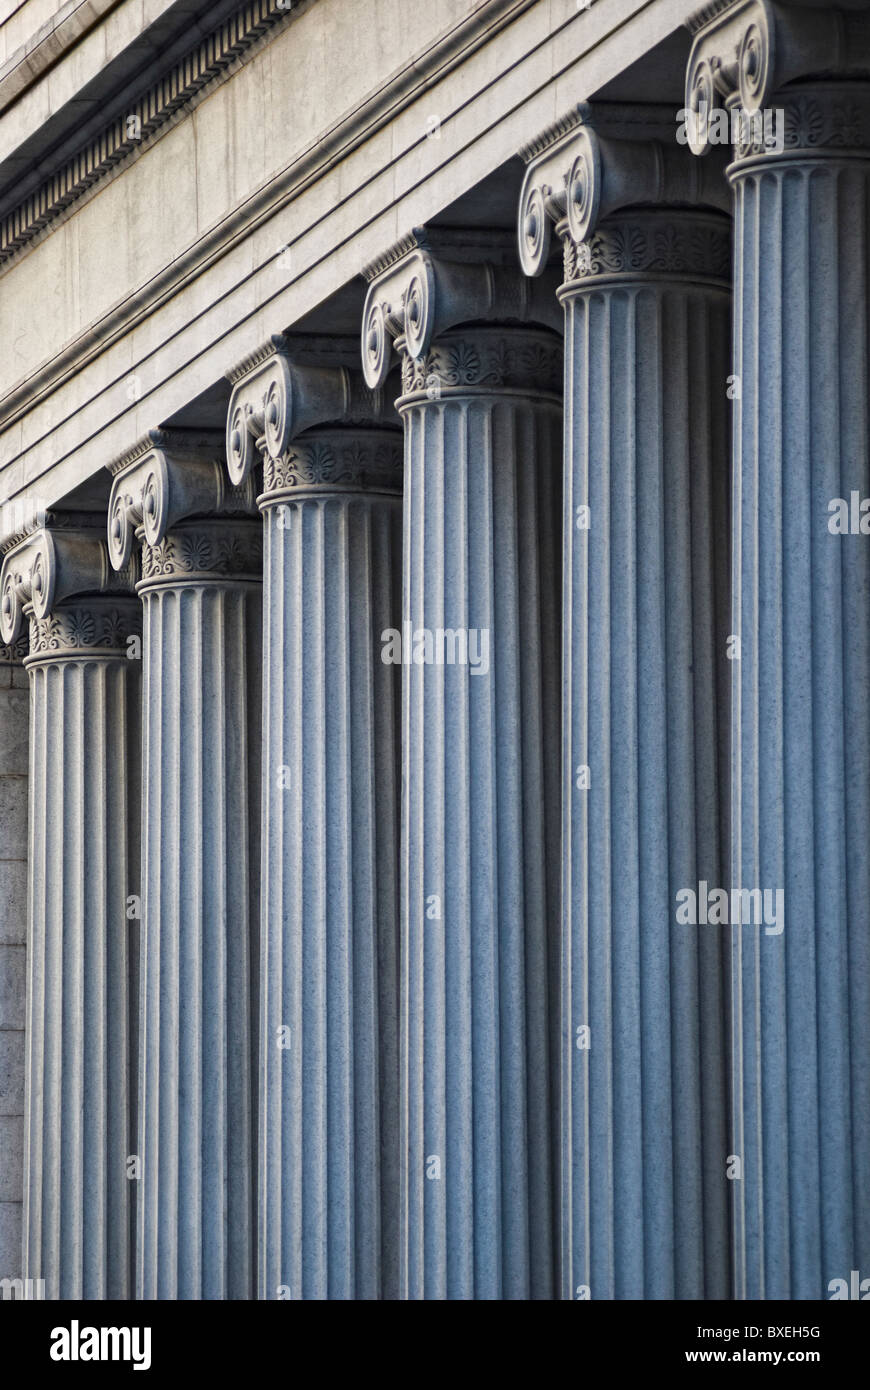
435	511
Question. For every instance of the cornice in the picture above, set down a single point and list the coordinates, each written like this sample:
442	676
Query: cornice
586	176
290	385
306	349
420	294
154	439
38	517
168	477
25	517
205	62
52	565
469	245
276	344
313	162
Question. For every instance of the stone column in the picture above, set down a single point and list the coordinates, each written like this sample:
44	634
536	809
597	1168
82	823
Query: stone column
331	504
83	853
647	320
479	649
801	721
201	594
13	940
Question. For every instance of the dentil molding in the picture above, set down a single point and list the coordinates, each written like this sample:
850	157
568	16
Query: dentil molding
211	59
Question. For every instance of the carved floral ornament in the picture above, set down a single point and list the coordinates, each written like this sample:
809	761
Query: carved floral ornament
418	296
92	628
206	550
365	460
164	480
487	358
277	399
744	55
48	568
695	245
583	178
13	653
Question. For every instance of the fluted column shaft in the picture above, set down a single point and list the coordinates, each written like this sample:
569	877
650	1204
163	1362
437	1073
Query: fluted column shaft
480	723
644	1193
83	868
800	713
14	758
645	606
328	1198
201	593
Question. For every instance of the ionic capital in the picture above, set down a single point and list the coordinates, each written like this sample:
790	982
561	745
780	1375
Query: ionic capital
168	477
745	51
594	163
434	281
67	558
290	385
